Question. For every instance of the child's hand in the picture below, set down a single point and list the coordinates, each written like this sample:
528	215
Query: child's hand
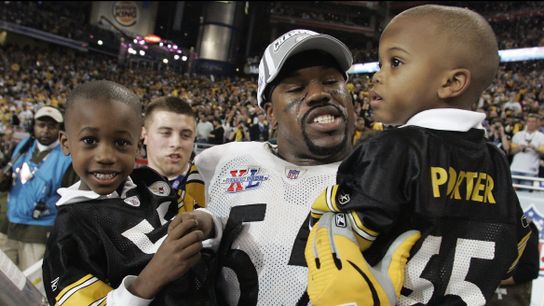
204	221
176	255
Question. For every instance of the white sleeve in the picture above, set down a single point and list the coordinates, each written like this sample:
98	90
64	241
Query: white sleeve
213	243
207	162
539	139
121	296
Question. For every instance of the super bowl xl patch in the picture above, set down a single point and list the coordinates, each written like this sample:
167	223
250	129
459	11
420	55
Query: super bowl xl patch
244	179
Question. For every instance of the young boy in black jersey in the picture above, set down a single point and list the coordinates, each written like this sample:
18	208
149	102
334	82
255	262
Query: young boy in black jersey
436	173
115	241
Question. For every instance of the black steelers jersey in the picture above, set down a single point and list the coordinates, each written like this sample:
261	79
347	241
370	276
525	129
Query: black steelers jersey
96	243
454	188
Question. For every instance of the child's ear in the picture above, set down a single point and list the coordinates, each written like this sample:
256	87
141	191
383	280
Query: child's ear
270	115
63	140
455	83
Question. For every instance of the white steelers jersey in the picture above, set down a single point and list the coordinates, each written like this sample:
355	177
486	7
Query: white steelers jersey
249	176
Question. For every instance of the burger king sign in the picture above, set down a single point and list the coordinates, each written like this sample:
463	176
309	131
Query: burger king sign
125	13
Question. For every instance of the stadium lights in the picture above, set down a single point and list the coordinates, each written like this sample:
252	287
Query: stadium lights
165	61
100	42
184	58
176	57
152	39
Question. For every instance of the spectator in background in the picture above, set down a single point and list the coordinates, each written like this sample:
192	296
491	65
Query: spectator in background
498	136
527	147
218	133
259	131
203	129
513	104
362	132
39	169
240	132
169	136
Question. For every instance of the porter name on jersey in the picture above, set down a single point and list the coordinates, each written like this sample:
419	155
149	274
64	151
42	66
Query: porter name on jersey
478	185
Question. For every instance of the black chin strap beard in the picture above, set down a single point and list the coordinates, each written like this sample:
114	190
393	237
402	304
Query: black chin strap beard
324	151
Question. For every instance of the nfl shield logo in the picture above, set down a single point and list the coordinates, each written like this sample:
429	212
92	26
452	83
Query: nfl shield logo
293	174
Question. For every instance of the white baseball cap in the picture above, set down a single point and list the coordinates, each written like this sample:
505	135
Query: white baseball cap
294	42
48	111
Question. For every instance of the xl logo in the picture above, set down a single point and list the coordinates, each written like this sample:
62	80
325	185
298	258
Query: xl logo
244	179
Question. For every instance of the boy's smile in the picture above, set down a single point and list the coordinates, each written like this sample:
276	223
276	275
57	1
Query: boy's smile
103	141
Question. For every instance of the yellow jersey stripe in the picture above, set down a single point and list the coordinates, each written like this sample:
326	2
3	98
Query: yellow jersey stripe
76	283
86	293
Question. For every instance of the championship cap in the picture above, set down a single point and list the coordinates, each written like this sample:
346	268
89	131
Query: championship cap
294	42
48	111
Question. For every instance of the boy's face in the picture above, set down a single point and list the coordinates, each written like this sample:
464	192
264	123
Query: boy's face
411	63
169	138
102	137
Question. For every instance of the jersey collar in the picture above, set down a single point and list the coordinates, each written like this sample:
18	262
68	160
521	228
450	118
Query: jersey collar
447	119
72	194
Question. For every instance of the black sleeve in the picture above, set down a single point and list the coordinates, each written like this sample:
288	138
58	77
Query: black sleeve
73	257
378	177
529	263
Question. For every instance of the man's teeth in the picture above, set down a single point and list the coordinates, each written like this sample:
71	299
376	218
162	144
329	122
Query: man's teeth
105	176
324	119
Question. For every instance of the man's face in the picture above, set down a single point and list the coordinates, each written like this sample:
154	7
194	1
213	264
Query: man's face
532	124
46	130
314	115
169	138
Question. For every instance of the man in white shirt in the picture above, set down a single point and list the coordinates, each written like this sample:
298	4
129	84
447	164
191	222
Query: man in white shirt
527	148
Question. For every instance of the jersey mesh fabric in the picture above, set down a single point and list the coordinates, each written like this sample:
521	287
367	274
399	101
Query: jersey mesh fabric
270	243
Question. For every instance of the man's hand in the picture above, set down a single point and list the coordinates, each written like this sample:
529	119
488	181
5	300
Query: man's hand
338	272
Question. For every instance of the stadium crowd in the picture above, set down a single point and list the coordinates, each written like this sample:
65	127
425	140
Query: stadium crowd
226	108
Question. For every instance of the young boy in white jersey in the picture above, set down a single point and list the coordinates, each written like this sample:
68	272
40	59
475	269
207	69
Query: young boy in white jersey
436	173
114	240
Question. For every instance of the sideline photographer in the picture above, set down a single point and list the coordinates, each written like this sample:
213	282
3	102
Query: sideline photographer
34	172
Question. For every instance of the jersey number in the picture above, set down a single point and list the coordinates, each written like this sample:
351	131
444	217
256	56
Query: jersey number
465	250
138	233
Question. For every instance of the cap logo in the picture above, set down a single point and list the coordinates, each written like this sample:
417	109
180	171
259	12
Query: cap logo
278	42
